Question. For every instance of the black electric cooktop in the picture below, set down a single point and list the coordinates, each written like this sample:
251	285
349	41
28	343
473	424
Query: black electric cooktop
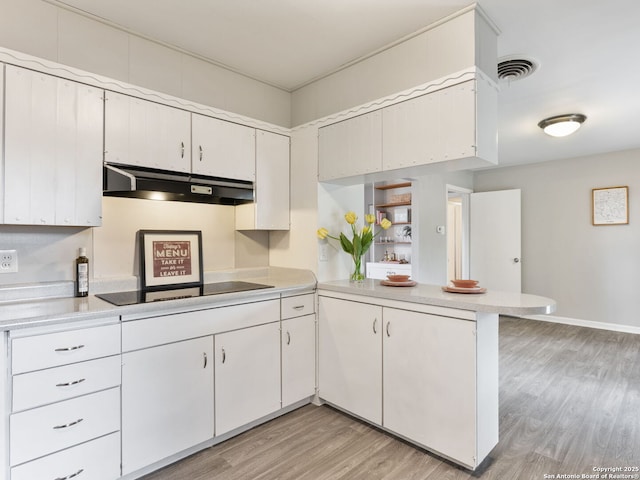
136	296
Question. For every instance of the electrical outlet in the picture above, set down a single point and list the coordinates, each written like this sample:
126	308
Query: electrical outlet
8	261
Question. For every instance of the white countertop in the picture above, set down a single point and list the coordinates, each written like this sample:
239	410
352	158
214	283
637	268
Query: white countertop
30	312
505	303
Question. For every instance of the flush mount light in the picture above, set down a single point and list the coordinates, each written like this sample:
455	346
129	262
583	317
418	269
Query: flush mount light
562	125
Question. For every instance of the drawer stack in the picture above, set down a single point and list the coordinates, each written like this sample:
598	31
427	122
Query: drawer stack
65	412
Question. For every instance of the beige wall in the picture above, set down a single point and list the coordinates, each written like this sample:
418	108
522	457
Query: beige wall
53	33
591	271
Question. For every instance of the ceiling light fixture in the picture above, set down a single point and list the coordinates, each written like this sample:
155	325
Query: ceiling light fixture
562	125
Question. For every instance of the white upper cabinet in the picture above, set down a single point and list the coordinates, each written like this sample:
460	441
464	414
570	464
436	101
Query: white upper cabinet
432	128
223	149
270	210
53	150
351	147
146	134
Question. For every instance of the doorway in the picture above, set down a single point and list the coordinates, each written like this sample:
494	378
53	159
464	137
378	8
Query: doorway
457	232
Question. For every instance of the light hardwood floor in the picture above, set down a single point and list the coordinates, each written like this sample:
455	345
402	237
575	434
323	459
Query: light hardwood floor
569	402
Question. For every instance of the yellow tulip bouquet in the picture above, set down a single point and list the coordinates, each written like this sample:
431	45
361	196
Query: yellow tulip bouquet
362	240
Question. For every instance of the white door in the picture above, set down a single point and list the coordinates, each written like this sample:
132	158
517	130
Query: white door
247	377
495	240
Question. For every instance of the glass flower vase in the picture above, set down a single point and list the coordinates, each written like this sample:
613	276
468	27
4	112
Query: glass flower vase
357	275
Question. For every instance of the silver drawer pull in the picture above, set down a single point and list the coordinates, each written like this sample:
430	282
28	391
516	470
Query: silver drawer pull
73	475
69	349
59	427
70	384
298	307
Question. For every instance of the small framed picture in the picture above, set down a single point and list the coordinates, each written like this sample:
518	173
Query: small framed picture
610	206
170	259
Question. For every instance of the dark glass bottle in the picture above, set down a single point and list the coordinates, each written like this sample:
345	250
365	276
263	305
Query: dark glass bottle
82	274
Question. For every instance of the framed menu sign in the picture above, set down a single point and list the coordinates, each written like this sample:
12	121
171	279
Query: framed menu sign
170	259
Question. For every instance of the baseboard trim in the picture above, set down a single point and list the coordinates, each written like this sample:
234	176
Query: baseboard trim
614	327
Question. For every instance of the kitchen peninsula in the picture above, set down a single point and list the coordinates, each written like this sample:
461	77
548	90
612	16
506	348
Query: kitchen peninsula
417	362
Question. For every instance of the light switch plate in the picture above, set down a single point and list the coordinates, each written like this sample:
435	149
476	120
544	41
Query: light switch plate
8	261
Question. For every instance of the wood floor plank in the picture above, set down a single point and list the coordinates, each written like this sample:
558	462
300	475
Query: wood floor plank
569	401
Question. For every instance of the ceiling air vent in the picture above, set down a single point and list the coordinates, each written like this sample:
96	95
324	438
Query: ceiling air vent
511	69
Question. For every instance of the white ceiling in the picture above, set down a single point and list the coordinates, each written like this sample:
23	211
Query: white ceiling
587	51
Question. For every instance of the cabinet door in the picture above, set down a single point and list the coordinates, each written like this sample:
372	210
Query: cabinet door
298	359
247	375
431	128
53	150
430	382
351	147
350	357
272	181
167	401
146	134
223	149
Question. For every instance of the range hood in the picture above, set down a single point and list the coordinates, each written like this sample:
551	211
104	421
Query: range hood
151	184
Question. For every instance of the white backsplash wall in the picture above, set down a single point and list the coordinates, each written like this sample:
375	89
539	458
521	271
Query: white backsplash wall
47	254
116	249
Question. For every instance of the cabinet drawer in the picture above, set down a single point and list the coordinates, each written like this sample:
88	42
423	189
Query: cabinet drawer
61	383
62	348
95	460
298	306
45	430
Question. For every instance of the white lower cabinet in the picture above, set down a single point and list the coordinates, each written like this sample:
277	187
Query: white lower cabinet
64	418
167	401
429	373
350	357
431	378
95	460
247	380
298	359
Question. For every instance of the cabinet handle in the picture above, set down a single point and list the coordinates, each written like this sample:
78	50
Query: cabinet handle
298	307
206	360
70	384
181	149
69	349
288	338
200	149
59	427
73	475
375	322
224	356
388	334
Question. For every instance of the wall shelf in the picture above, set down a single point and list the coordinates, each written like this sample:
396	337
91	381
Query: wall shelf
393	185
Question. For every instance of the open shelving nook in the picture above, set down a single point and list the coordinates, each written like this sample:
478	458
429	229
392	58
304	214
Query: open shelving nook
391	252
